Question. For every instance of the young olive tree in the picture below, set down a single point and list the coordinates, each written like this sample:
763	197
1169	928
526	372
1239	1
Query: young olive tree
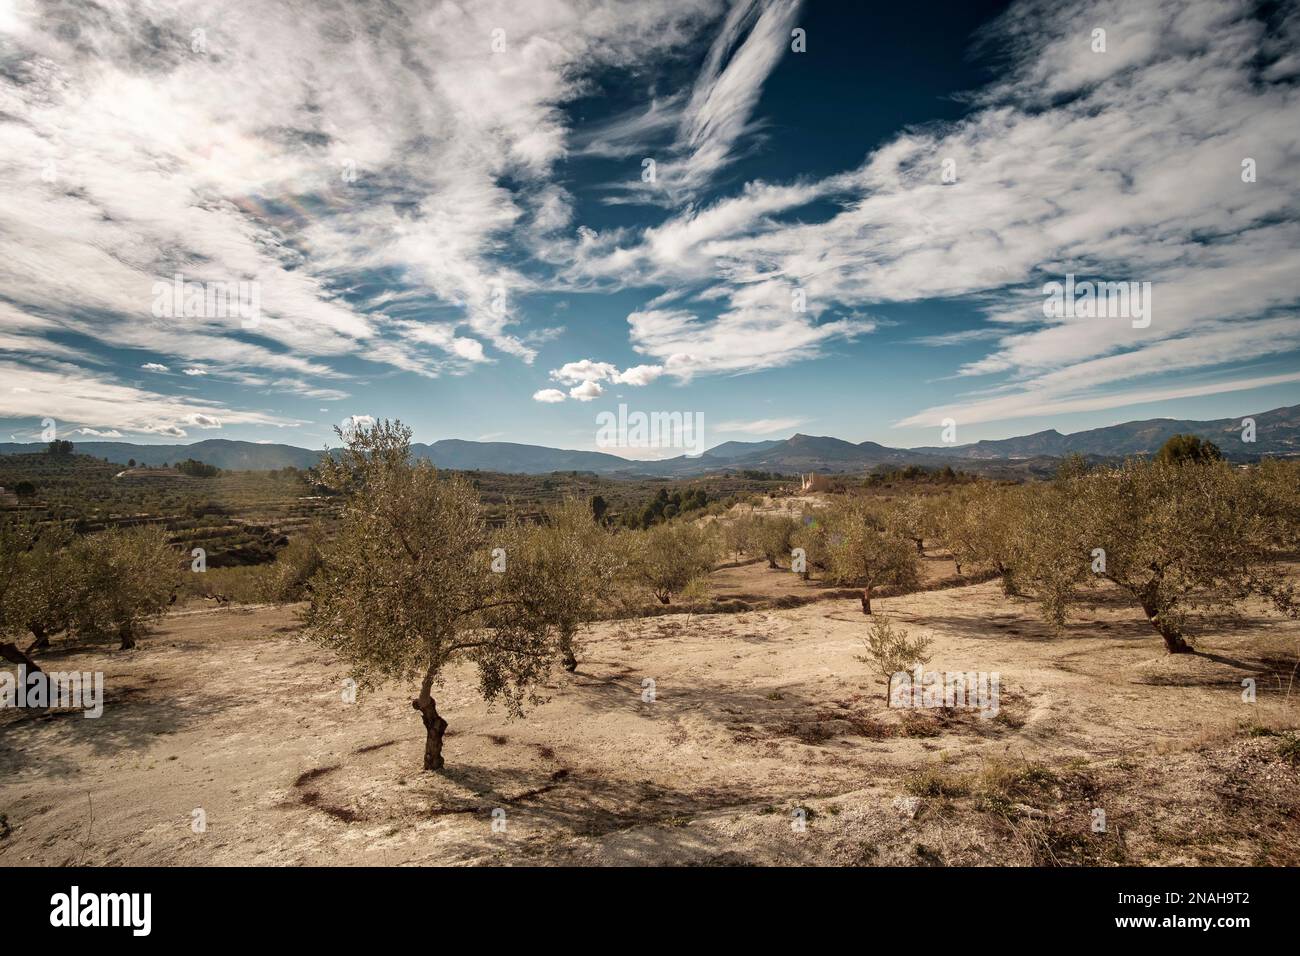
413	580
668	557
1175	536
125	578
864	552
890	650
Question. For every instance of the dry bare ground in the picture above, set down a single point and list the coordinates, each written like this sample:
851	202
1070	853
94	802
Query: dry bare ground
759	721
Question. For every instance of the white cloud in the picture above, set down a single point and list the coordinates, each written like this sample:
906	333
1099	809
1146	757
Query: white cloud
717	113
587	370
584	370
452	150
1125	166
754	336
639	375
93	400
548	395
154	367
586	392
1047	402
761	426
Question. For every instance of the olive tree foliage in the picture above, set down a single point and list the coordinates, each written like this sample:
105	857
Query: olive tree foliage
738	532
43	587
668	557
772	538
125	578
981	525
1279	490
1184	448
1177	537
912	517
414	580
811	537
289	578
863	551
16	540
580	564
889	650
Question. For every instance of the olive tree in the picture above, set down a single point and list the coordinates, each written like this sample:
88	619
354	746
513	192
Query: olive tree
955	526
668	557
772	536
580	564
811	536
44	589
738	531
989	530
125	578
1175	536
912	517
16	540
863	551
413	581
889	650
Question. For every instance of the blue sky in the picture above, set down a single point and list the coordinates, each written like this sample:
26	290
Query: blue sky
445	213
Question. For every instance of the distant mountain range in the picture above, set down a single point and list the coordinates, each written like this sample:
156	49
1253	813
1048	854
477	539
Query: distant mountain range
1277	433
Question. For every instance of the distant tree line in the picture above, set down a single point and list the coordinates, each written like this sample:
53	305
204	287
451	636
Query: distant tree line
197	469
664	506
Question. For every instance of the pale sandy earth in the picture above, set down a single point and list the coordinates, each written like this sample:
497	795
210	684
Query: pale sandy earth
755	715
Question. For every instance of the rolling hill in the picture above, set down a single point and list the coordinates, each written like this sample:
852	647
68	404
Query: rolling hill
1277	433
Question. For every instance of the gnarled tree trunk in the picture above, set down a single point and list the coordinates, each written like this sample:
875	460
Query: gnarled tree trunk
1009	587
866	599
568	652
42	639
127	633
1175	643
434	729
14	655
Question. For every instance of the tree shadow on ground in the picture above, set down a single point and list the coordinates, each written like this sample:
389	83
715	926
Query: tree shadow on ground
138	710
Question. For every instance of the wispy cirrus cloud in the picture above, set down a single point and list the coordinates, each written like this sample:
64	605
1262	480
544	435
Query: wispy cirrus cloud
307	149
1125	164
71	395
759	426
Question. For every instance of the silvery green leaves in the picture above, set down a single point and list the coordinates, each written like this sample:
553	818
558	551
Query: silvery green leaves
415	579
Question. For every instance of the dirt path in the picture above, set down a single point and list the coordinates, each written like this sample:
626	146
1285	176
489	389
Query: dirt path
764	742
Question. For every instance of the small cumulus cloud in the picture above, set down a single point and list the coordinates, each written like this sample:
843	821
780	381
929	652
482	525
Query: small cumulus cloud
586	392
